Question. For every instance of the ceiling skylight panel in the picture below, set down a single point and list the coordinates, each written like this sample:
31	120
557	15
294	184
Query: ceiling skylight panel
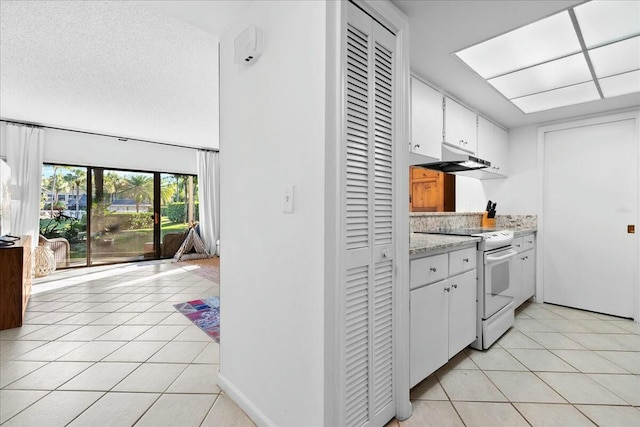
556	98
541	41
608	21
622	84
551	75
616	58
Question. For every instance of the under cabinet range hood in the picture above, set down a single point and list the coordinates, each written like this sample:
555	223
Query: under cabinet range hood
456	160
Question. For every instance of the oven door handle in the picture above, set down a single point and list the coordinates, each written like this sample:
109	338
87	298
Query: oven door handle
508	254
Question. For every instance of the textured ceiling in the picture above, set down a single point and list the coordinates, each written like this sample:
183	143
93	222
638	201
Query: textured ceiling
121	68
148	69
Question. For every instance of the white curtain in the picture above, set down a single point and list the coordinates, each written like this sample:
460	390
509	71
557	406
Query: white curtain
209	196
25	147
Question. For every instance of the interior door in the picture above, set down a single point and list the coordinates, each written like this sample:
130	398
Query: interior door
590	196
368	206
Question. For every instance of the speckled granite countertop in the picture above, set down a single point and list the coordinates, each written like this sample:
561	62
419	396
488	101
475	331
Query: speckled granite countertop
431	244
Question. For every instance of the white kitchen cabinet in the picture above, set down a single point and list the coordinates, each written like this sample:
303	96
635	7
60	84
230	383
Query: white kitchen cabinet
502	151
523	271
528	274
443	313
426	123
429	269
462	311
460	126
429	309
462	260
492	146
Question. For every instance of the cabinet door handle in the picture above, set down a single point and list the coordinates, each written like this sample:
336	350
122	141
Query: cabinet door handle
447	289
433	269
416	146
465	259
455	286
529	241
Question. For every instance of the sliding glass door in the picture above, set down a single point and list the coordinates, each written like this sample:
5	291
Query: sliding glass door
63	213
179	209
122	216
103	215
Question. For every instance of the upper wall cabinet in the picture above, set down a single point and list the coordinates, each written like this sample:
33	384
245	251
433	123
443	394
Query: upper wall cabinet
492	146
460	126
426	123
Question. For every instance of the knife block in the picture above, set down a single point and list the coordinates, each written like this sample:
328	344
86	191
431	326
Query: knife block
487	222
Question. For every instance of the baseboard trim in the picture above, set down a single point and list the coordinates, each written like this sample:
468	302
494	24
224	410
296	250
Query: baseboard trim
256	415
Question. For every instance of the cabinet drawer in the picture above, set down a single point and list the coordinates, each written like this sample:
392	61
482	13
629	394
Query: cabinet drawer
422	173
518	244
528	242
429	269
462	260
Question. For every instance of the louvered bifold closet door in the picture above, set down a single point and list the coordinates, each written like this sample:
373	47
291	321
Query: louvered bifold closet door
368	222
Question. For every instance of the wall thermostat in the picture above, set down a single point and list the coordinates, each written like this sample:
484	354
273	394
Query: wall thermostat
248	45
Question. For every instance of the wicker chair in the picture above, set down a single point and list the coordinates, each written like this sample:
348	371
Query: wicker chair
60	247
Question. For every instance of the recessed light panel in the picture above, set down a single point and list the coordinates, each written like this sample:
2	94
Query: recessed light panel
616	58
622	84
576	94
604	22
548	39
545	65
550	75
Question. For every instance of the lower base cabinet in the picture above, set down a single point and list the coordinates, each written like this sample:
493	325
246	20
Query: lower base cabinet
443	322
523	269
528	274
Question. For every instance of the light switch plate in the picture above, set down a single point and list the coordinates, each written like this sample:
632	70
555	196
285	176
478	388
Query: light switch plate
287	200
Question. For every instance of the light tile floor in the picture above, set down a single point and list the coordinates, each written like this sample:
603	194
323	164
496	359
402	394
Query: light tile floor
105	345
556	367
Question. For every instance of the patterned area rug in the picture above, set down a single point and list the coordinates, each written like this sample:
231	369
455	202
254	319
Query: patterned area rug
204	313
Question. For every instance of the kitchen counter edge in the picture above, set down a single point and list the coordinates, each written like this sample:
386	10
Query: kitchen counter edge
433	244
517	232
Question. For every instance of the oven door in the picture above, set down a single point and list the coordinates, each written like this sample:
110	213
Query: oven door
497	285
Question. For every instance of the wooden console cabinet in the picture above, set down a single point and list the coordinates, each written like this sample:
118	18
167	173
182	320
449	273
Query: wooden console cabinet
15	282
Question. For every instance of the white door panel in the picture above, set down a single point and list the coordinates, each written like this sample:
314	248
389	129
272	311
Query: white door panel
590	196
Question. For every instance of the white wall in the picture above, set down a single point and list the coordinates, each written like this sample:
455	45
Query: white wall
521	191
74	148
3	135
272	284
517	194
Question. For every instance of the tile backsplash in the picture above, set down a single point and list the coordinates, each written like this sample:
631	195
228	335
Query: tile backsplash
430	221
